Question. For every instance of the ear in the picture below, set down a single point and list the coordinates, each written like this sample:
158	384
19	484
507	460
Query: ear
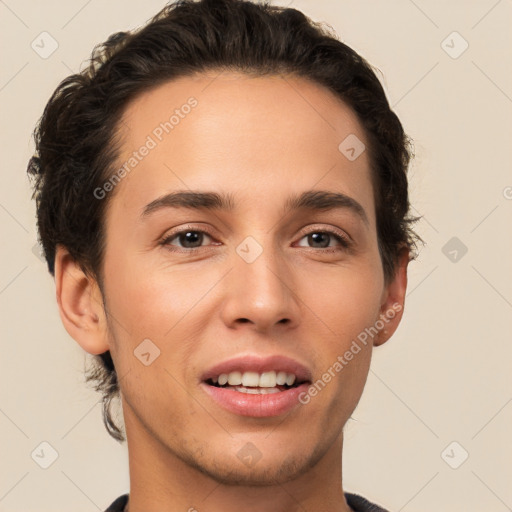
393	298
80	304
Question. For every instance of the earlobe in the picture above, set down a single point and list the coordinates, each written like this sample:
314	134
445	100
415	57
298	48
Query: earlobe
393	300
80	304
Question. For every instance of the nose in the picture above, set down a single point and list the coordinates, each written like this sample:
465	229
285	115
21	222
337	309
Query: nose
261	293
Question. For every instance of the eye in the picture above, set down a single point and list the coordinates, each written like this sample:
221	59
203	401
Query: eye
323	239
187	238
190	239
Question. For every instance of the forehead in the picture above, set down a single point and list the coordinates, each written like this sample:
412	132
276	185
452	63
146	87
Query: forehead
249	136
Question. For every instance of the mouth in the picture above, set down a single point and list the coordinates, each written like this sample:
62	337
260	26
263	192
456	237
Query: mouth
256	383
255	386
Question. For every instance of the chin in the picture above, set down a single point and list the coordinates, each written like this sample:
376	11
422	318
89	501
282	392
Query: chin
229	469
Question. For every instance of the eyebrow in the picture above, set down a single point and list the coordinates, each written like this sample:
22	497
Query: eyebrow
319	200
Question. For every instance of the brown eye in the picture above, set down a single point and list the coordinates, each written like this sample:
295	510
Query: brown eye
319	240
187	239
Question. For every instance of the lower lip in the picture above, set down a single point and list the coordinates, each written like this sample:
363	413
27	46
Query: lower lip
259	406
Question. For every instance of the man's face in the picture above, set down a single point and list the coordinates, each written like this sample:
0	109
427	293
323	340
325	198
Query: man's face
272	287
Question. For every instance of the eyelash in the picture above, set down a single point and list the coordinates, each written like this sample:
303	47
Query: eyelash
343	240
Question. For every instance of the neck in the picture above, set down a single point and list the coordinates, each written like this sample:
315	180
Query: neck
162	482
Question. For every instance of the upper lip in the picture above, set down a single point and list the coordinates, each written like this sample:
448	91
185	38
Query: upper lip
259	364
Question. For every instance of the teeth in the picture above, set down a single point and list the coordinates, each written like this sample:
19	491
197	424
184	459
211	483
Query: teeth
254	380
234	379
268	380
290	379
257	391
281	378
250	379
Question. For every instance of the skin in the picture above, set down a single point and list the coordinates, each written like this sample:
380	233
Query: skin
259	139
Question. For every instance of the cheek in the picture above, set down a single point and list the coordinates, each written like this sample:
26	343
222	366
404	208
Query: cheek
149	331
150	301
346	303
170	306
345	300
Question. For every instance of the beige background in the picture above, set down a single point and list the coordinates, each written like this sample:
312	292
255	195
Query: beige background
445	375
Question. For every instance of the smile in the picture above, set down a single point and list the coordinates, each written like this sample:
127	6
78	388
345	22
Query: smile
248	387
